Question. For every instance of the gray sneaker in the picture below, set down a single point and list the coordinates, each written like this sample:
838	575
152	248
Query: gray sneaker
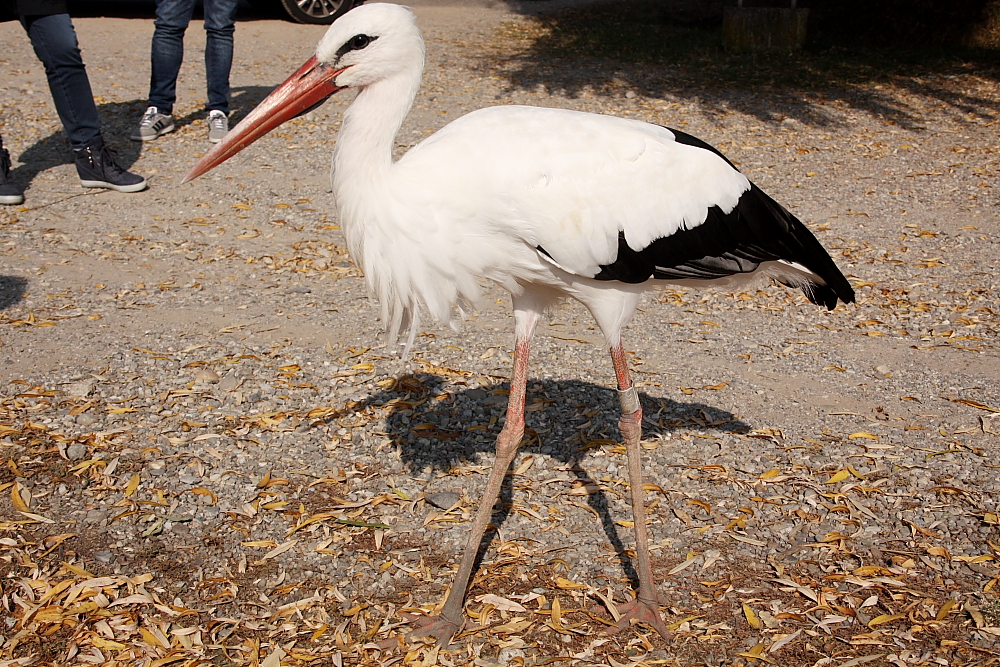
218	126
152	125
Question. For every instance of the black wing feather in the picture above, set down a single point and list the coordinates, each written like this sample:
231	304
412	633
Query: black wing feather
757	230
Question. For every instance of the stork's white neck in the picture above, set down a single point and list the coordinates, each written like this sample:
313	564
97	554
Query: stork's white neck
363	154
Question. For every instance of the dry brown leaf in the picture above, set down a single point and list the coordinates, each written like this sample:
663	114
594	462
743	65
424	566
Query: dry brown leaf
861	660
280	549
756	653
274	659
200	491
974	404
782	640
514	626
683	565
501	603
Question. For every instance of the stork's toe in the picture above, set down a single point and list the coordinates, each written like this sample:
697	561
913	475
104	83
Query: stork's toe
641	611
439	628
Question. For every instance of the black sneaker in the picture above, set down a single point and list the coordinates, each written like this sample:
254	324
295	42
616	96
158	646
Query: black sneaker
9	194
97	169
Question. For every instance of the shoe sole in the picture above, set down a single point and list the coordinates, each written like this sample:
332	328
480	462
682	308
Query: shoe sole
12	199
111	186
139	137
216	140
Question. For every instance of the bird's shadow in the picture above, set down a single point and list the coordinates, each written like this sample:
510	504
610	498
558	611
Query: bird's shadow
436	431
12	289
118	119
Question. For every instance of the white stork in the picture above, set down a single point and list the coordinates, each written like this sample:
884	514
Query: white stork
547	203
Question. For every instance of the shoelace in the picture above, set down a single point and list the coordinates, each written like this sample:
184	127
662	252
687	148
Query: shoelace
108	161
149	116
217	122
105	160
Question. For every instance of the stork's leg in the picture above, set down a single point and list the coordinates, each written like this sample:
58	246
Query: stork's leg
645	607
443	626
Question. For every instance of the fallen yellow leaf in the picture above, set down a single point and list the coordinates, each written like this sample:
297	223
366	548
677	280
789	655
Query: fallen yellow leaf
839	476
567	585
752	618
133	484
16	499
944	610
885	618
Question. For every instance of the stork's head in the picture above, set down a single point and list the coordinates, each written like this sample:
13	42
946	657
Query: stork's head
371	43
368	44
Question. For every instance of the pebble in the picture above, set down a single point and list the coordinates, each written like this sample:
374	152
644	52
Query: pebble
81	389
206	375
76	451
229	382
95	516
443	500
86	420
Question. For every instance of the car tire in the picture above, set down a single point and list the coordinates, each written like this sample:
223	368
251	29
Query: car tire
317	12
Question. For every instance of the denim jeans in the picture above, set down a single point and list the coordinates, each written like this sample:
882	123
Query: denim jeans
172	18
54	41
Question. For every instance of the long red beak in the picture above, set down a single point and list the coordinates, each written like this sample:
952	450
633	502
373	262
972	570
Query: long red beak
308	87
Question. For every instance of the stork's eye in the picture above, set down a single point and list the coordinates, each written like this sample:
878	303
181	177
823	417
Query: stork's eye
359	42
355	43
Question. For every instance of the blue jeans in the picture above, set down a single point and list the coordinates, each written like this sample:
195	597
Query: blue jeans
172	18
54	41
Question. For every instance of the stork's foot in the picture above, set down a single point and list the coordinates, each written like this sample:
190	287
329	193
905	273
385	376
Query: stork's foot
642	611
441	628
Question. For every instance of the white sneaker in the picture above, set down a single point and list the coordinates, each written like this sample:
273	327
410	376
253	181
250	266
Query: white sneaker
153	124
218	126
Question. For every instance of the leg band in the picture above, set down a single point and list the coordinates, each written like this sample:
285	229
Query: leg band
629	399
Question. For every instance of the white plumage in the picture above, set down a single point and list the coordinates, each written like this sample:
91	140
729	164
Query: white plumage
513	178
547	203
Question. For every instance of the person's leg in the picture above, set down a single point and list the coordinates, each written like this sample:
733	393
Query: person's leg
167	52
220	24
54	41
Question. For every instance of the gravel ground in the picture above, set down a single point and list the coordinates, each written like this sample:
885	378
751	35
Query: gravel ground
209	455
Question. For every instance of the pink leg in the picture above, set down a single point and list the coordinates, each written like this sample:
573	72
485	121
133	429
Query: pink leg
645	607
444	626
